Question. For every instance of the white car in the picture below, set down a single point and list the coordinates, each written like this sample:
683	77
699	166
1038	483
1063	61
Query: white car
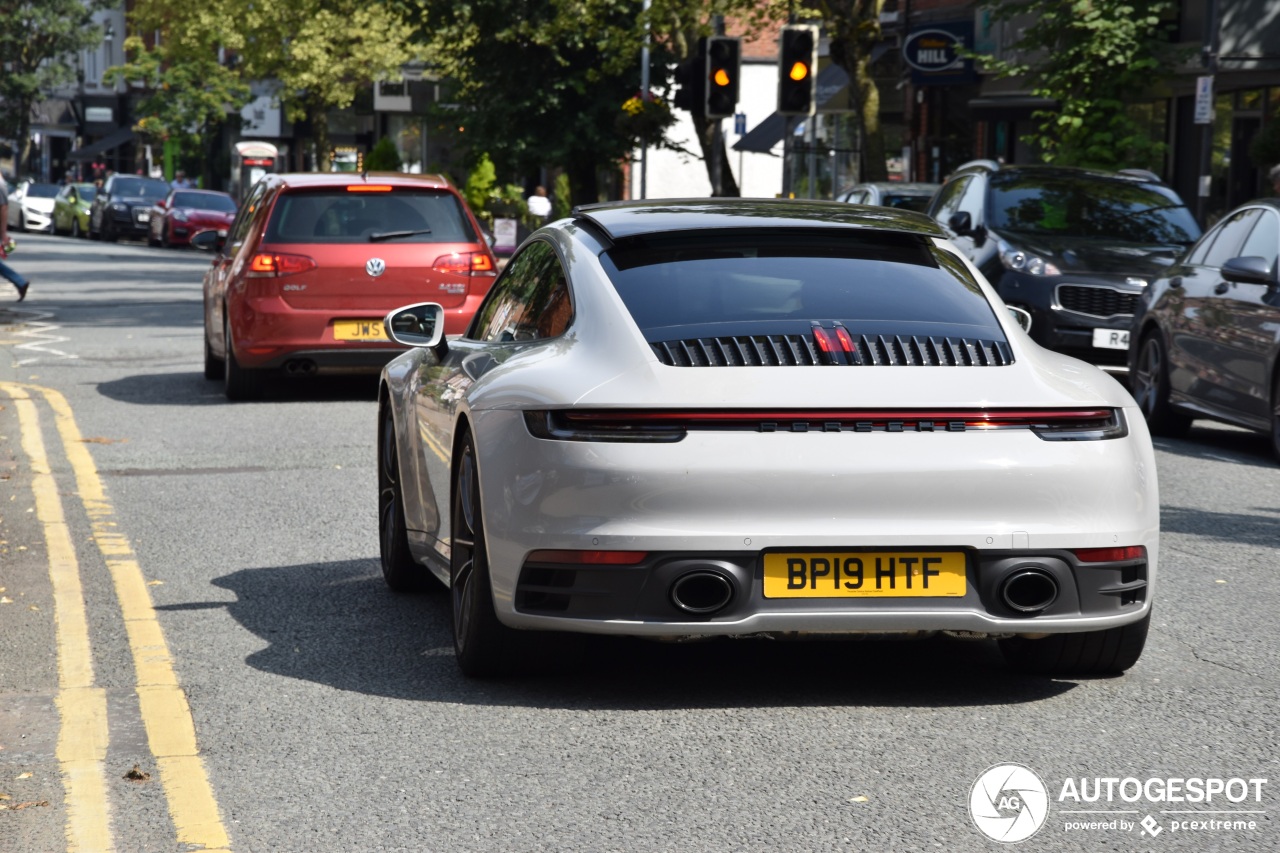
31	206
761	418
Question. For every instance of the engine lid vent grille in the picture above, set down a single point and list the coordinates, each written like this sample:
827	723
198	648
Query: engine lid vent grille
866	350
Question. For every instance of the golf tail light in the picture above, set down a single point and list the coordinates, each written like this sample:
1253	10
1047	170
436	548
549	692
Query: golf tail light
271	265
465	263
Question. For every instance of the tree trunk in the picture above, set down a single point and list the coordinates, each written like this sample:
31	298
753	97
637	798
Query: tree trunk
584	186
21	164
866	99
706	130
320	135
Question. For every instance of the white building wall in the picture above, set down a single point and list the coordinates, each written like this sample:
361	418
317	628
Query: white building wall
675	175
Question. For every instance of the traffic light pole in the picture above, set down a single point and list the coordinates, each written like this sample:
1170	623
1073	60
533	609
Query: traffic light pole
644	97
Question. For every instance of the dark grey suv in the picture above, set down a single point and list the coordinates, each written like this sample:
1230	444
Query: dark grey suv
122	207
1074	247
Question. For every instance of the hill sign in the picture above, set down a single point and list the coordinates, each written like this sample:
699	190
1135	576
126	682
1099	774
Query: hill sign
934	54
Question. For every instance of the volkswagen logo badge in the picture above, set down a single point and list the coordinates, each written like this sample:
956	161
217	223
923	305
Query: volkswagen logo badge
375	267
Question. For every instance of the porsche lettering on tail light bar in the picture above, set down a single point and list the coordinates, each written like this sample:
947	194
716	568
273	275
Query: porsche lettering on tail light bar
1048	424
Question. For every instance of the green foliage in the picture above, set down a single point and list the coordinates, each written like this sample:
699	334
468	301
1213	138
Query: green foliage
1264	150
488	199
189	92
480	183
383	157
38	41
561	197
1094	58
853	27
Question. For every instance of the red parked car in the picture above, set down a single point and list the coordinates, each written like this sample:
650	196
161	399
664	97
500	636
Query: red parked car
314	261
183	212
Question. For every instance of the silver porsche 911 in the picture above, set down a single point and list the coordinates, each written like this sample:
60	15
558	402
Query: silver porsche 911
761	417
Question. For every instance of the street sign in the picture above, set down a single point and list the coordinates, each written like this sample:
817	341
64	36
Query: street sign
740	123
1204	100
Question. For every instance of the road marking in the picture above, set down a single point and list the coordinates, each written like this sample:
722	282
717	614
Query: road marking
82	708
166	715
41	332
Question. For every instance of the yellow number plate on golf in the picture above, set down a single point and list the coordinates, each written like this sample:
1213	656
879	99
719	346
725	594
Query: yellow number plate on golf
865	574
358	330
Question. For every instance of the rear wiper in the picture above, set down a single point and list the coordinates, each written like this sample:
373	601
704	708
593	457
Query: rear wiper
394	235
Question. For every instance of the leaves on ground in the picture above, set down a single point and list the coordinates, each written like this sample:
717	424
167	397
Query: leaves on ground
137	774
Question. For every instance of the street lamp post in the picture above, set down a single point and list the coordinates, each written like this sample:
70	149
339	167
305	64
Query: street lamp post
1210	58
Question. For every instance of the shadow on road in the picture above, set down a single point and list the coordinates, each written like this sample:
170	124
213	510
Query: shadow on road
192	389
1223	443
337	624
1262	529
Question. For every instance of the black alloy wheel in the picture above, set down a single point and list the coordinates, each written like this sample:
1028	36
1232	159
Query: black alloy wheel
484	646
1107	652
239	383
1151	389
401	572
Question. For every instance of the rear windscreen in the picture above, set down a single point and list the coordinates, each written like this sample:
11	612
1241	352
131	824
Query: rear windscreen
339	216
782	282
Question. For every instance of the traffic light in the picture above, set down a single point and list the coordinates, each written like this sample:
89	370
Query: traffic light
797	70
691	95
724	62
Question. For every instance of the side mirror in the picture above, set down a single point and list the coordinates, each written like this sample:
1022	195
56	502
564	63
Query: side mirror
961	223
420	325
1022	315
210	240
1250	269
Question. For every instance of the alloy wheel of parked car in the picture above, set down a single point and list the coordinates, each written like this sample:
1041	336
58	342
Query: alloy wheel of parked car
239	383
1108	652
479	639
1151	389
401	572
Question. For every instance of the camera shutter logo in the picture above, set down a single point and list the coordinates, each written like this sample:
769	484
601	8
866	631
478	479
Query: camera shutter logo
375	267
1009	803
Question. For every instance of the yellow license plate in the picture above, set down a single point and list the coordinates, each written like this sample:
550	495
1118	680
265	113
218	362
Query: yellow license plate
358	330
864	574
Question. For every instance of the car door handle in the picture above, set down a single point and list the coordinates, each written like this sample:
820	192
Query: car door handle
1222	288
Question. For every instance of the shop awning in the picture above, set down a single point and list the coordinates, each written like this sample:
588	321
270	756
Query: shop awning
109	142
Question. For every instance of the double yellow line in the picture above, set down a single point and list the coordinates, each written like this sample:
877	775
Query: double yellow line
82	743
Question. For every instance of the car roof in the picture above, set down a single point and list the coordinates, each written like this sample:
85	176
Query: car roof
1135	176
320	180
903	187
622	220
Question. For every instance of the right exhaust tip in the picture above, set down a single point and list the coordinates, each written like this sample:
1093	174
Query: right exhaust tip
701	592
1029	590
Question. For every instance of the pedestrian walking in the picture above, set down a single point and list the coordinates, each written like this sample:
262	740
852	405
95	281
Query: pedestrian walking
180	181
7	245
539	204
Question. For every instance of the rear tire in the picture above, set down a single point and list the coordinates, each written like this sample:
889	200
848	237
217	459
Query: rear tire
214	367
484	646
1151	389
239	383
1108	652
401	572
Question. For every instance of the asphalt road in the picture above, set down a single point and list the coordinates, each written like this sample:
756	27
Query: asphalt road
236	643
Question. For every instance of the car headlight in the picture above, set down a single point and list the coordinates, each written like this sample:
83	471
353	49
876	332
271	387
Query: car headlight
119	208
180	215
1020	261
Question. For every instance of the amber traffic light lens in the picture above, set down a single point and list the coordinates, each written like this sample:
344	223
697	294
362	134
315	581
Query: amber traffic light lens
799	71
721	77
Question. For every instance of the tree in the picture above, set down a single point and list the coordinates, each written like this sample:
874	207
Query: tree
37	40
854	29
319	52
191	92
1091	57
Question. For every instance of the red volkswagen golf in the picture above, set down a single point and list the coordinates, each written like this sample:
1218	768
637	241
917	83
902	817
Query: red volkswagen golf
314	261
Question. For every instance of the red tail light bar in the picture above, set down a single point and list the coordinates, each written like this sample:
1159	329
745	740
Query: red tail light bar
1048	424
1110	555
588	558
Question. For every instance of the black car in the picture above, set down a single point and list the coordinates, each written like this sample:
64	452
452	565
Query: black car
123	207
1074	247
1207	332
